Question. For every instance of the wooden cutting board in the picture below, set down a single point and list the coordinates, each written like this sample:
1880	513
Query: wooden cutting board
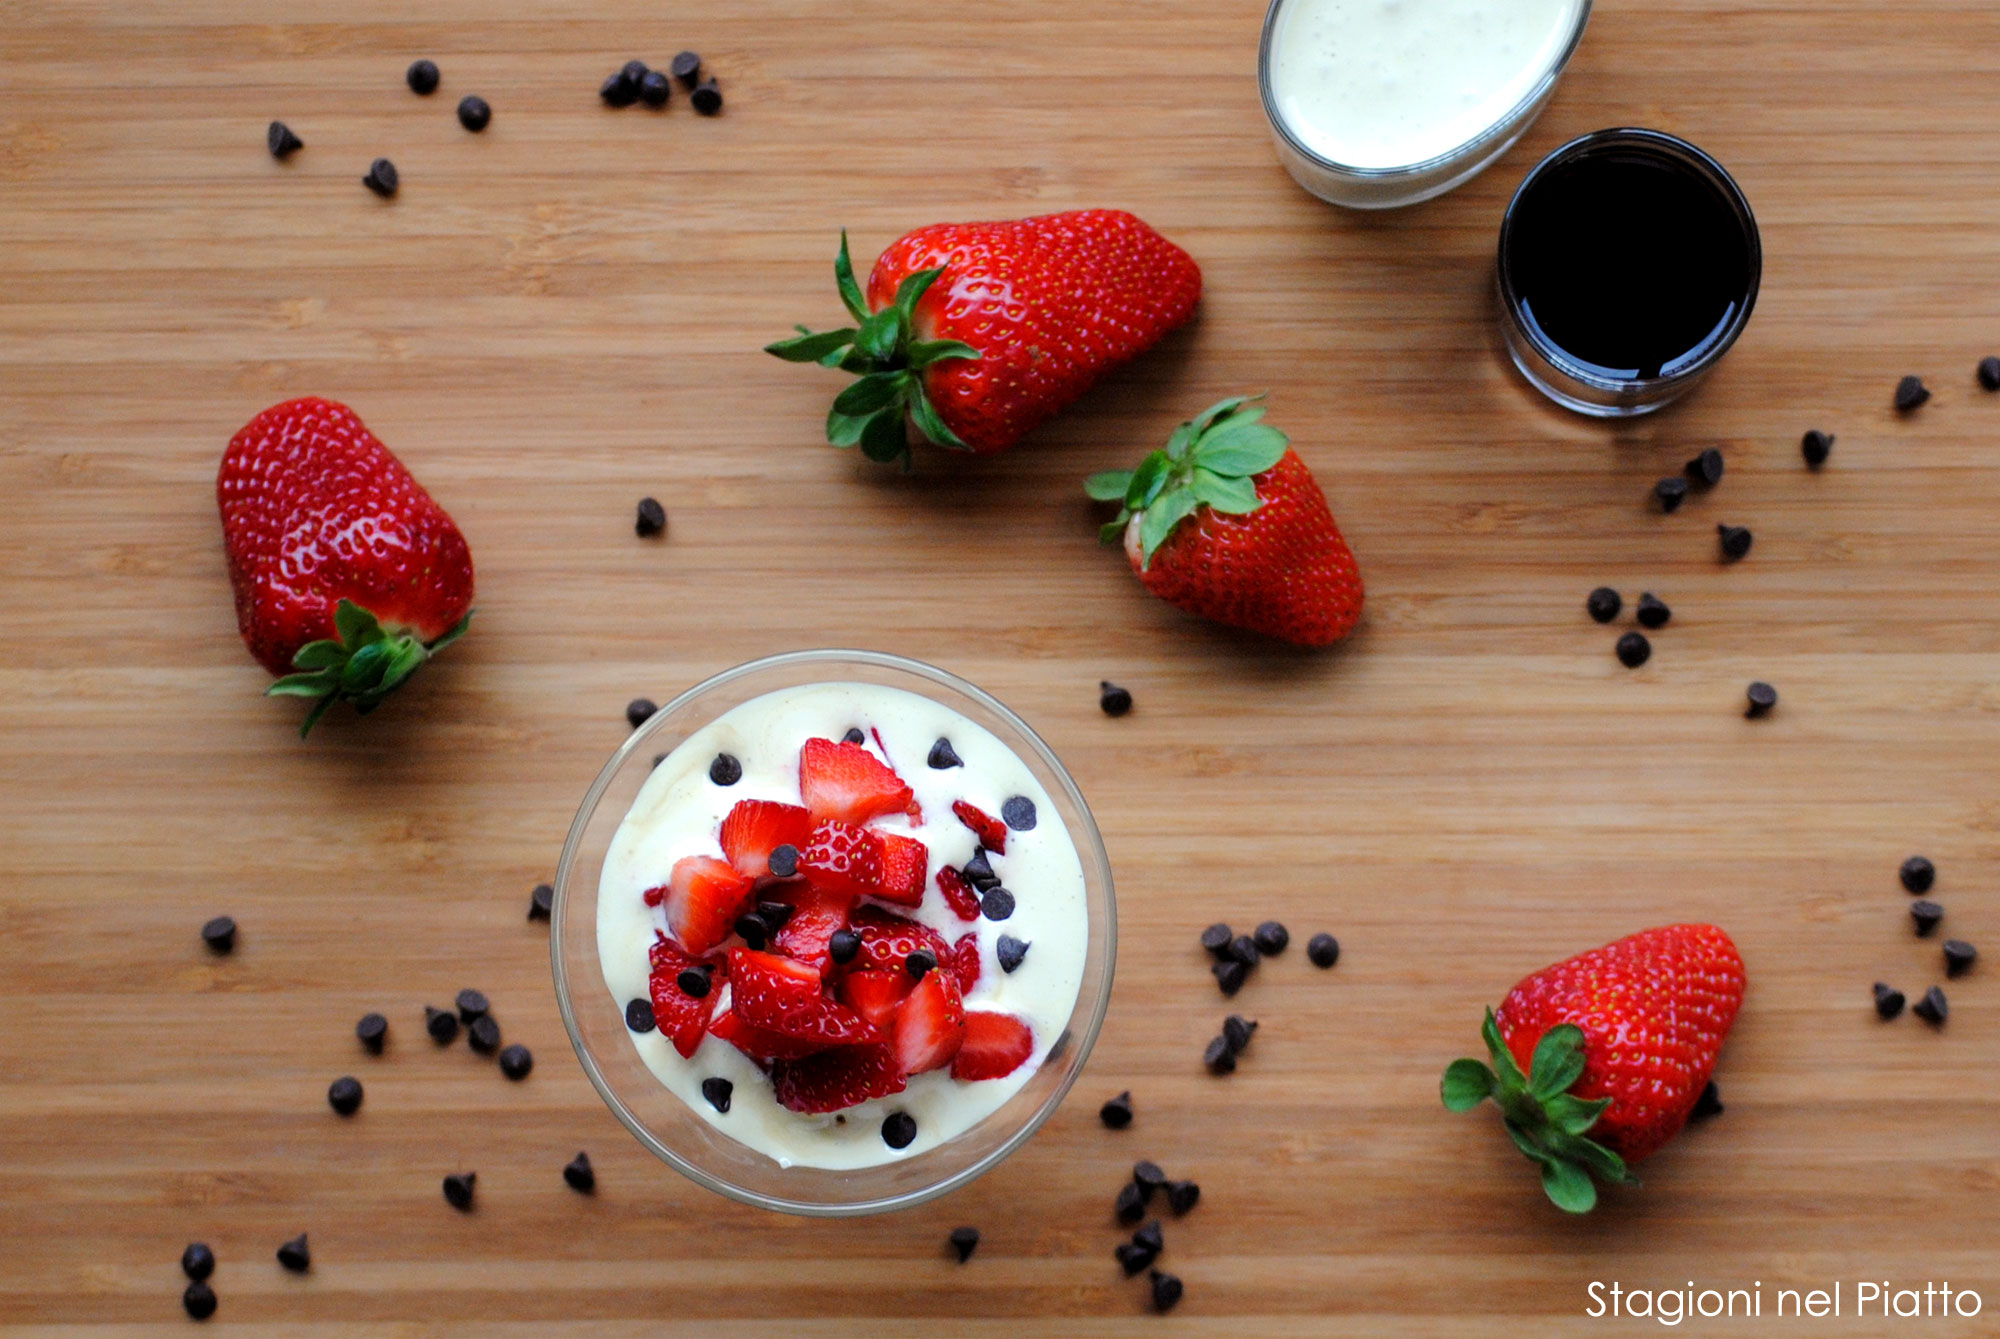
563	314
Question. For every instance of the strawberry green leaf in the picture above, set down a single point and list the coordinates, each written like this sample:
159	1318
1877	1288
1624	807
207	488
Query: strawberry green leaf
880	334
1215	411
1606	1165
1237	497
925	415
1179	440
1148	481
1241	449
811	348
913	288
1504	1065
1573	1115
1466	1084
356	626
924	352
1568	1186
884	438
1160	519
844	429
1109	486
364	669
317	684
1557	1063
843	278
1113	532
319	655
457	631
872	392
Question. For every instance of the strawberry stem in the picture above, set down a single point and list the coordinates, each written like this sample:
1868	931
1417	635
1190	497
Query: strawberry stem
362	663
1211	460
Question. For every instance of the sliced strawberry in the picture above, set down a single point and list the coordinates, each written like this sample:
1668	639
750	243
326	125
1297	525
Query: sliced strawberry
887	939
875	994
930	1024
995	1045
832	1080
847	782
906	864
703	900
755	828
760	1044
785	996
992	833
807	934
682	1018
842	858
965	961
958	894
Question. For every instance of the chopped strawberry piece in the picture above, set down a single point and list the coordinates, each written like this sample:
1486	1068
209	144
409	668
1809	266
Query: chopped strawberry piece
755	828
655	895
760	1044
703	899
887	939
848	783
682	1018
965	961
930	1024
958	894
992	833
906	863
832	1080
995	1045
842	858
807	934
875	994
785	996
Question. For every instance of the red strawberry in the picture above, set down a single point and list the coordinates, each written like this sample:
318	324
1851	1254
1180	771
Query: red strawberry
807	933
704	898
1227	522
755	828
930	1024
875	994
842	858
978	332
1618	1042
760	1044
888	939
345	569
906	865
995	1045
958	894
776	993
682	1018
833	1080
846	782
965	961
992	833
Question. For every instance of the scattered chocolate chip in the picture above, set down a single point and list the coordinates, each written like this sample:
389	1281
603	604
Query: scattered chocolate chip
618	91
295	1255
943	755
707	97
1910	393
1926	914
750	928
1244	950
1816	446
1708	1104
1603	604
639	1015
775	914
1134	1258
964	1240
371	1030
640	710
1146	1175
199	1299
1117	1113
1011	952
652	518
579	1175
854	735
978	871
725	770
1633	650
1216	939
484	1034
1989	373
1113	700
686	67
344	1095
1323	950
382	178
654	90
422	77
458	1190
516	1061
1932	1007
1237	1031
1917	874
1671	492
197	1261
1182	1196
1271	938
1018	813
1762	697
1167	1291
1653	612
899	1129
1131	1203
996	904
1735	540
1151	1237
783	860
1888	1000
474	114
541	902
1706	468
471	1004
1958	957
219	933
843	945
634	70
280	140
442	1024
1219	1058
693	982
1230	975
920	963
716	1091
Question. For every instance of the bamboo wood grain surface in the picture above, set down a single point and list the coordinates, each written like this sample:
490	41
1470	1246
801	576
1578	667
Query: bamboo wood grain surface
564	314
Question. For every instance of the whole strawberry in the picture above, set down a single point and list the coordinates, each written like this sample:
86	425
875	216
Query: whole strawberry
345	569
975	333
1616	1044
1227	522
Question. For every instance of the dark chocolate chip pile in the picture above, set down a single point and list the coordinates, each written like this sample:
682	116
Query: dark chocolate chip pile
442	1024
483	1035
197	1261
1932	1007
1653	612
1603	604
1888	1000
516	1061
1917	874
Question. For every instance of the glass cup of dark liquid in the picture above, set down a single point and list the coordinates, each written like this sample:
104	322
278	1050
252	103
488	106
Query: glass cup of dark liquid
1629	262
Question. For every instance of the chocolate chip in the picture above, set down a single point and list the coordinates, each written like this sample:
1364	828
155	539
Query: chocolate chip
471	1004
442	1024
1167	1291
1117	1113
516	1061
750	928
1230	975
996	904
1989	373
371	1030
899	1129
639	1015
1113	700
1671	492
943	755
1244	950
1182	1196
199	1299
1010	951
1271	938
1708	1104
1633	650
854	736
458	1190
1762	697
686	67
1237	1031
784	860
1958	957
484	1034
725	770
618	91
920	963
1888	1000
1735	540
344	1095
1151	1237
381	178
1926	914
1653	612
422	77
978	871
1917	874
579	1175
775	914
707	97
634	70
1323	950
964	1240
1131	1203
652	518
474	114
640	710
1018	813
197	1261
1932	1007
1910	393
541	902
1147	1175
1219	1058
693	982
295	1255
1216	939
654	90
280	140
1706	468
219	933
1816	446
716	1091
843	945
1133	1258
1603	604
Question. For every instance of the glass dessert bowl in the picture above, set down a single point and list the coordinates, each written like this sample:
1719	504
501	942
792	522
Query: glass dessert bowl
944	793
